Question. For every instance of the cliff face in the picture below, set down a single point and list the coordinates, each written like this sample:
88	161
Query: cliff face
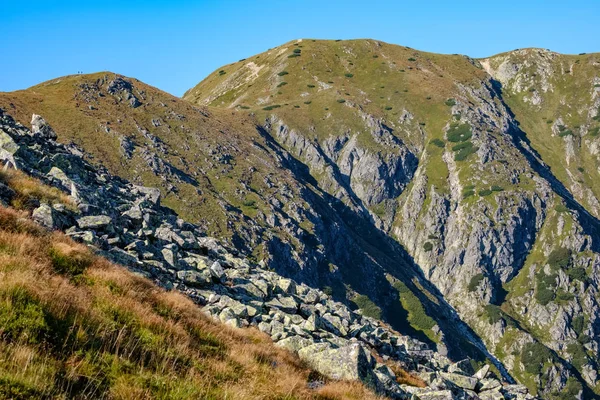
438	193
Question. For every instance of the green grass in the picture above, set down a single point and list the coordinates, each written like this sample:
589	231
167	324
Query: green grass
367	306
475	282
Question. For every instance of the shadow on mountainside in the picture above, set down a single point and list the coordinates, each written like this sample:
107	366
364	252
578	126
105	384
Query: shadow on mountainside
369	261
589	223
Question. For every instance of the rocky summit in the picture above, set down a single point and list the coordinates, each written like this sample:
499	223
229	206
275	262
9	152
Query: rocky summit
425	224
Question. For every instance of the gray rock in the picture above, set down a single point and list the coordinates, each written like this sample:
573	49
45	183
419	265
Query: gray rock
41	127
352	362
194	278
94	221
44	215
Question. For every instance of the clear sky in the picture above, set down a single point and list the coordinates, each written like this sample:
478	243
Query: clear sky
173	44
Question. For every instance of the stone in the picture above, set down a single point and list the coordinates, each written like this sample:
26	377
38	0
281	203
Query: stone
435	395
170	257
482	372
44	216
194	278
352	362
217	271
7	143
94	222
488	384
465	382
41	127
286	286
294	343
491	395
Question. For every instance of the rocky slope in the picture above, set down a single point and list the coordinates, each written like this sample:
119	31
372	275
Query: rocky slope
127	224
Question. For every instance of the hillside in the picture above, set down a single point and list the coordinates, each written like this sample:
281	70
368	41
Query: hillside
119	324
73	325
483	170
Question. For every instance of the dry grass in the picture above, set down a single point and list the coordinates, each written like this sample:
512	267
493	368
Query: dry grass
74	325
29	191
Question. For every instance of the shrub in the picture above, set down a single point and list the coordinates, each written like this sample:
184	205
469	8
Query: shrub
578	324
412	59
282	84
580	169
375	56
328	290
349	75
244	107
493	312
221	72
496	188
577	273
464	153
417	316
297	51
564	133
282	73
450	102
559	258
427	246
438	142
310	86
341	101
294	55
597	85
367	306
468	193
461	146
269	108
533	357
595	131
571	390
307	102
485	192
250	203
545	288
388	108
564	296
561	208
459	133
475	281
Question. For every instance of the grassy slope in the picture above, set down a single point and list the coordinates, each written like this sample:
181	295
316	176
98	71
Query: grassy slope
229	171
72	325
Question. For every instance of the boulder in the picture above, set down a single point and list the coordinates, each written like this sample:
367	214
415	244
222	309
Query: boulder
94	222
40	126
462	381
294	343
483	372
217	271
351	362
194	278
44	215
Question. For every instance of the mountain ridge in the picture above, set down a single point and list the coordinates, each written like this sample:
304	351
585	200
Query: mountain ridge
390	145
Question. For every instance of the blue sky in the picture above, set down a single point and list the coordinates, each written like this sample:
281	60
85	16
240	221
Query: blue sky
174	44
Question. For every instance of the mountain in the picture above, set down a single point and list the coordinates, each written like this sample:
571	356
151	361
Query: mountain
73	325
453	198
482	170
